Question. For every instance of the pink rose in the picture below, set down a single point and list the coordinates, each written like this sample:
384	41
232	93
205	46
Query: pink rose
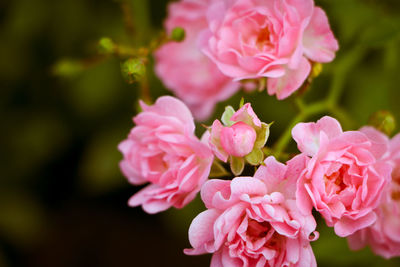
384	235
185	69
275	39
163	151
254	221
345	177
238	136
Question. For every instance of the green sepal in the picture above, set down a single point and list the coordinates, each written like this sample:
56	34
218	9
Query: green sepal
255	157
217	170
241	104
226	116
262	135
237	165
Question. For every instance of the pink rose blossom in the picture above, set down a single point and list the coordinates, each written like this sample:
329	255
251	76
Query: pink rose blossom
185	69
254	221
237	139
345	177
275	39
163	151
384	235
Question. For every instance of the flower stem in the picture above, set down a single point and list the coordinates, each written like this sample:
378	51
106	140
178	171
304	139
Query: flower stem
343	67
308	111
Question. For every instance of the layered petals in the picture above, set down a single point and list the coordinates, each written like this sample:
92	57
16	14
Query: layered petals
383	236
184	69
345	177
253	222
268	39
162	150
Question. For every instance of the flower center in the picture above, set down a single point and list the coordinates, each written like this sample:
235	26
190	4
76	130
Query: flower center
396	185
263	38
257	229
334	182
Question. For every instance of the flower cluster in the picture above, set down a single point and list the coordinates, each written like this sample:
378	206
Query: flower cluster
351	178
235	40
261	215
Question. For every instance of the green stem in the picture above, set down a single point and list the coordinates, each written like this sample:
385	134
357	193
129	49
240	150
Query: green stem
342	116
308	111
141	20
343	67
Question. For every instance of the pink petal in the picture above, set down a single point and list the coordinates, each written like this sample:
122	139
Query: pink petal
319	42
307	135
201	228
290	82
346	226
171	106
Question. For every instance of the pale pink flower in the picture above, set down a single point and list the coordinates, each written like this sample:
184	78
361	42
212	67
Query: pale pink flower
275	39
163	151
384	235
254	221
185	69
237	139
345	177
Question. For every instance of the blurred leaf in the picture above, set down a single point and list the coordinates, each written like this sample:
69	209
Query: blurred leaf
99	170
22	219
381	32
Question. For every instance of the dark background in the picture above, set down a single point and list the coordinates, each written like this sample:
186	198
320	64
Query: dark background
63	201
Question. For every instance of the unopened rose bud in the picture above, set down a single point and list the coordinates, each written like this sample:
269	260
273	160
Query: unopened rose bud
238	139
133	69
106	46
178	34
383	121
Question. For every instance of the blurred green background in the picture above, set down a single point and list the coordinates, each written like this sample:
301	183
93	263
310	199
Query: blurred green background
62	197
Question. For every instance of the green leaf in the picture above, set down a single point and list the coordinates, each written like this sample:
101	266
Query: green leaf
262	135
226	116
217	170
237	165
241	102
255	157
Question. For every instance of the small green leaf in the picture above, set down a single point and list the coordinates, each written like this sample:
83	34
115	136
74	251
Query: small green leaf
262	135
237	165
226	116
255	157
217	170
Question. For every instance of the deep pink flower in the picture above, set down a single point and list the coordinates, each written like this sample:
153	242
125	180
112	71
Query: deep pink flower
268	38
185	69
236	139
345	177
163	151
384	235
254	221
